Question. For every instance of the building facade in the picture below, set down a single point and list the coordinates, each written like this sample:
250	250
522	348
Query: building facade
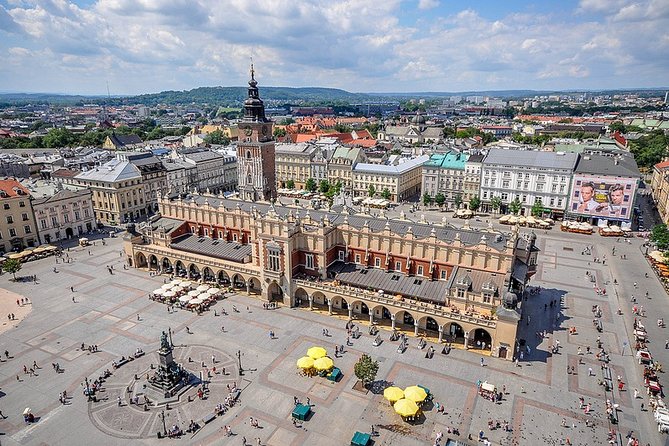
455	285
153	173
444	173
118	191
64	215
472	176
255	149
341	165
299	162
402	180
17	222
660	189
527	175
214	171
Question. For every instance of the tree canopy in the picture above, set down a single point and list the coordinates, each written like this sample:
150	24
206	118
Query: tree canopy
12	266
650	149
515	206
366	369
474	204
660	236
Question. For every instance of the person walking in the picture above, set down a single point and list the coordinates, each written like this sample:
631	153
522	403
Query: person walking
482	364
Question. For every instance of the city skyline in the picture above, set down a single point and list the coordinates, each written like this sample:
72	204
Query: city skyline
148	46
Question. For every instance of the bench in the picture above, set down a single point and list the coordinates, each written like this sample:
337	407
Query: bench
208	418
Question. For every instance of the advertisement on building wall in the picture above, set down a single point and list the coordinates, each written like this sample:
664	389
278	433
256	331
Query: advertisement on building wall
602	197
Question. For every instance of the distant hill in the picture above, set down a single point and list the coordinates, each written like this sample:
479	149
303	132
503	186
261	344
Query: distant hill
234	96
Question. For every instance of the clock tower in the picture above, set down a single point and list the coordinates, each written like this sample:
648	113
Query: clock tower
255	149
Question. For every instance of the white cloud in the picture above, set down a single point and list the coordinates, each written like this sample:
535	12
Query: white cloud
427	4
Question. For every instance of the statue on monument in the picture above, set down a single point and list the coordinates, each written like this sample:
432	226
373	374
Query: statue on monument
164	342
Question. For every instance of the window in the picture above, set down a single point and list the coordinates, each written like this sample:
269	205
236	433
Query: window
357	258
419	271
505	196
12	232
24	217
398	266
377	262
6	205
234	237
273	261
206	232
487	298
54	221
26	228
461	292
220	234
444	274
77	215
10	219
43	224
309	261
66	218
86	215
341	255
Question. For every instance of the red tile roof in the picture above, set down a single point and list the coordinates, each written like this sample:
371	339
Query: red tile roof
662	165
12	189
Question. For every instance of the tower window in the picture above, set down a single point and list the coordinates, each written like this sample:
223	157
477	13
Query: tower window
248	154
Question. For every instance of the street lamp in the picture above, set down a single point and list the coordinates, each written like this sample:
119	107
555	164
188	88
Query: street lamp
162	415
239	360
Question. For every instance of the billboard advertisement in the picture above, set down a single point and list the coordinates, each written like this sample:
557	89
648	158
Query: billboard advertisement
602	197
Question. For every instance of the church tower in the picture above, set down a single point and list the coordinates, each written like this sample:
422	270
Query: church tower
255	149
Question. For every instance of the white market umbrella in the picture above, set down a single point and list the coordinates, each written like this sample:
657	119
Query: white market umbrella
177	289
193	293
212	291
195	301
204	296
26	411
169	293
175	282
184	299
185	284
202	288
167	286
158	292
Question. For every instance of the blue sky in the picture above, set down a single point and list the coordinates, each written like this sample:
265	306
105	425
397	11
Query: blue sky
141	46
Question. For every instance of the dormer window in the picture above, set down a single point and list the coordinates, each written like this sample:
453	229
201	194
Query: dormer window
489	287
464	282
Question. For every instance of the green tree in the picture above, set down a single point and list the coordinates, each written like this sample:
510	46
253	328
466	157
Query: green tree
650	149
495	203
537	208
217	137
61	137
366	369
311	185
427	199
341	128
324	186
515	206
617	125
440	199
279	132
372	190
12	266
474	204
290	184
660	236
449	132
458	201
386	194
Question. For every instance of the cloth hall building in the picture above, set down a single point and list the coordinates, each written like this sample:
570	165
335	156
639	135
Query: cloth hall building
456	285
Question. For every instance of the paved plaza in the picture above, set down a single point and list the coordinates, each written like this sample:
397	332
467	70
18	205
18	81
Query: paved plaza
114	313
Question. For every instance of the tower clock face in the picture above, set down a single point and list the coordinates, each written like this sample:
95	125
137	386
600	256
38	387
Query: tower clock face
248	131
264	130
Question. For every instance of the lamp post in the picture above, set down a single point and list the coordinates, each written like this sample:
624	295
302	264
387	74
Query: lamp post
162	415
239	360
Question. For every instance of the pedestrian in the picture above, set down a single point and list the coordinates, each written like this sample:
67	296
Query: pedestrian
213	359
243	441
72	289
482	362
636	394
258	442
308	402
137	316
73	299
2	415
590	371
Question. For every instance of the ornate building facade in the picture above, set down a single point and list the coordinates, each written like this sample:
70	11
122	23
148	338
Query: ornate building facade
455	285
255	149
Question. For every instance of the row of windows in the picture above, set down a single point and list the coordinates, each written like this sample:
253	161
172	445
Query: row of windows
22	204
12	231
24	217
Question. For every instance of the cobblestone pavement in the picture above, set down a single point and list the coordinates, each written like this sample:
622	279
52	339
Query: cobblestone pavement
539	393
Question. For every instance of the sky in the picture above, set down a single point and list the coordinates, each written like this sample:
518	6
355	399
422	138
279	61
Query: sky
144	46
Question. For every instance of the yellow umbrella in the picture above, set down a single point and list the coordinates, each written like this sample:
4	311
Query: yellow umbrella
316	352
323	363
415	394
393	394
406	408
305	362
